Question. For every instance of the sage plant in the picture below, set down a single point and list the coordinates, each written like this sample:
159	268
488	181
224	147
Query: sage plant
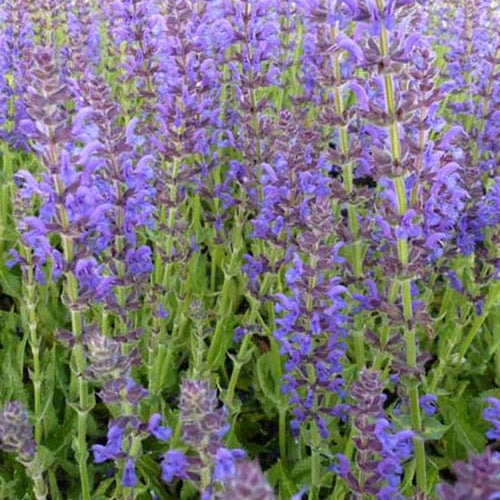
203	427
380	451
249	248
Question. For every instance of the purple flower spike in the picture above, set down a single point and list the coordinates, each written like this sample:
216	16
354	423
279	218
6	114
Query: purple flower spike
380	449
204	423
248	483
477	479
16	434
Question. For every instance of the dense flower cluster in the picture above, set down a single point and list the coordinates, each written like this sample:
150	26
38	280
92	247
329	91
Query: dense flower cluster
247	483
380	450
204	425
478	479
125	433
16	434
252	247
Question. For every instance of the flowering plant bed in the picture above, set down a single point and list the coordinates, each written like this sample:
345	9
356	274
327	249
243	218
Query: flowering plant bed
249	249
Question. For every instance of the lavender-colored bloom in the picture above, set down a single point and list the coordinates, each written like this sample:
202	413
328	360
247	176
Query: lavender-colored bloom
84	37
16	39
380	450
139	261
389	493
310	321
121	388
341	466
204	422
174	464
225	463
71	203
300	494
203	426
90	278
481	217
105	358
129	476
428	403
492	415
246	483
154	427
477	479
16	434
395	445
113	448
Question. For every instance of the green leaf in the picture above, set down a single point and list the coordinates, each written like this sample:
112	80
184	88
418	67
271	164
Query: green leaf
11	285
434	429
264	377
46	457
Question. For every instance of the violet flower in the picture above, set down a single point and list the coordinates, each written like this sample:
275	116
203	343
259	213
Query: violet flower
174	464
204	425
16	434
243	38
113	447
84	47
129	476
159	432
70	204
132	23
127	432
16	40
428	403
492	415
477	479
204	422
380	449
105	359
247	483
225	463
310	323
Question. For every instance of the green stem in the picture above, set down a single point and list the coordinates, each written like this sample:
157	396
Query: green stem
315	462
403	253
238	364
416	418
282	410
32	320
35	471
71	290
359	349
206	476
84	407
